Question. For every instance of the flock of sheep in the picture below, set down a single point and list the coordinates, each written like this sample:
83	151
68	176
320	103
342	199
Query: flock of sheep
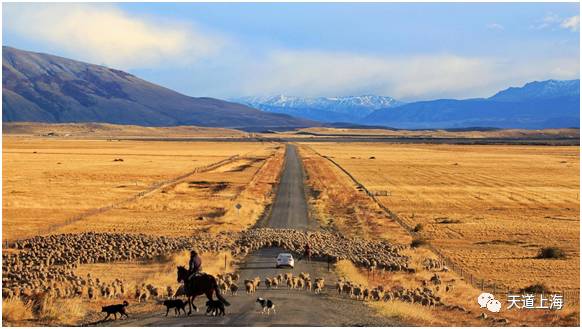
48	263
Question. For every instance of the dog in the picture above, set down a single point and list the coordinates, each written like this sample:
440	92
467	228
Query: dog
215	308
114	309
266	305
176	304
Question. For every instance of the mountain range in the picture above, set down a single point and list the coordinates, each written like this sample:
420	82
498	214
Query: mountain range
46	88
536	105
324	109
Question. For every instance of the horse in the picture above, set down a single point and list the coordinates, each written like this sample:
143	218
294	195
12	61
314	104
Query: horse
203	284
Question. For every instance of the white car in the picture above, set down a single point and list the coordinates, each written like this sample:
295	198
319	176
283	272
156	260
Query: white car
285	260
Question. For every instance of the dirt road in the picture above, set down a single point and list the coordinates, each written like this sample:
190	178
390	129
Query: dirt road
293	307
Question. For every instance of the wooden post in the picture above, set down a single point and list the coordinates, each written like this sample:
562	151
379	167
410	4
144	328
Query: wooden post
494	288
224	263
482	285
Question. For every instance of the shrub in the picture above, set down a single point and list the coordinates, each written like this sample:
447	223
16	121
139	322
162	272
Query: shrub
418	243
537	288
551	253
447	221
419	227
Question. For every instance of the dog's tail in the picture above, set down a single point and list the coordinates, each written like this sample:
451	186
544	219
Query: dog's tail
219	295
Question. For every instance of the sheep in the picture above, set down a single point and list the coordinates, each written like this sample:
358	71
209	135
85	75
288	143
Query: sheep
268	283
54	258
142	294
235	277
339	286
308	285
233	289
357	292
170	292
249	286
274	282
366	294
224	286
319	285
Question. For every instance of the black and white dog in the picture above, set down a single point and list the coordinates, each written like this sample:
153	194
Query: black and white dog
266	305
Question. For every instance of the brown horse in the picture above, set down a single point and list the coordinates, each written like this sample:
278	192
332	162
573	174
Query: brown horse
204	284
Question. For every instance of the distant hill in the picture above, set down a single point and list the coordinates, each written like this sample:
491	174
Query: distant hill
45	88
537	105
325	109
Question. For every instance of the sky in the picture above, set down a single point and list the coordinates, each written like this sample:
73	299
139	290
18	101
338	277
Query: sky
405	50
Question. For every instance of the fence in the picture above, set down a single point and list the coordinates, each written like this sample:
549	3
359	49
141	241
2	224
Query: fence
571	296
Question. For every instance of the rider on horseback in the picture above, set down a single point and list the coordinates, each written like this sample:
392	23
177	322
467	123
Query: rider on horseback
195	264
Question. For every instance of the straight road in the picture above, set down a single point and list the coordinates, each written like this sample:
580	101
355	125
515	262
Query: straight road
293	307
289	209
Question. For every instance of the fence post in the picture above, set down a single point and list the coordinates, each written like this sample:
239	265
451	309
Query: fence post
482	285
224	263
494	288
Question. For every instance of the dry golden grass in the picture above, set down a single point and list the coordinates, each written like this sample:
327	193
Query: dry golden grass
15	310
106	130
489	208
337	203
503	133
201	202
47	182
62	311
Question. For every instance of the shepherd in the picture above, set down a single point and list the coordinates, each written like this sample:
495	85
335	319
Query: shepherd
197	283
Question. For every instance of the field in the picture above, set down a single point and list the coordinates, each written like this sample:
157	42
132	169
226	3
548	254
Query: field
106	130
330	133
48	182
488	208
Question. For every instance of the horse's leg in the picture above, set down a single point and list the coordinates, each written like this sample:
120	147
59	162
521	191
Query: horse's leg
189	305
195	308
209	294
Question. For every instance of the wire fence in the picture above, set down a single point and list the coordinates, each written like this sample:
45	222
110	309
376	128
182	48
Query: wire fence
571	296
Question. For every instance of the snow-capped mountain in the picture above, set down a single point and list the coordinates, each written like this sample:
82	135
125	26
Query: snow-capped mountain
538	90
326	109
536	105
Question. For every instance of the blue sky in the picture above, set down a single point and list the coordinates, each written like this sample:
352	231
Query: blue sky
408	51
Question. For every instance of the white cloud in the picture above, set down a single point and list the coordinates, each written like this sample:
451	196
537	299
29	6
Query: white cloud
316	73
572	23
104	34
495	26
554	21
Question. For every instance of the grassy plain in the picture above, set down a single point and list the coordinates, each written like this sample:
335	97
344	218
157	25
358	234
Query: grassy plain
402	133
106	130
336	203
489	208
47	181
